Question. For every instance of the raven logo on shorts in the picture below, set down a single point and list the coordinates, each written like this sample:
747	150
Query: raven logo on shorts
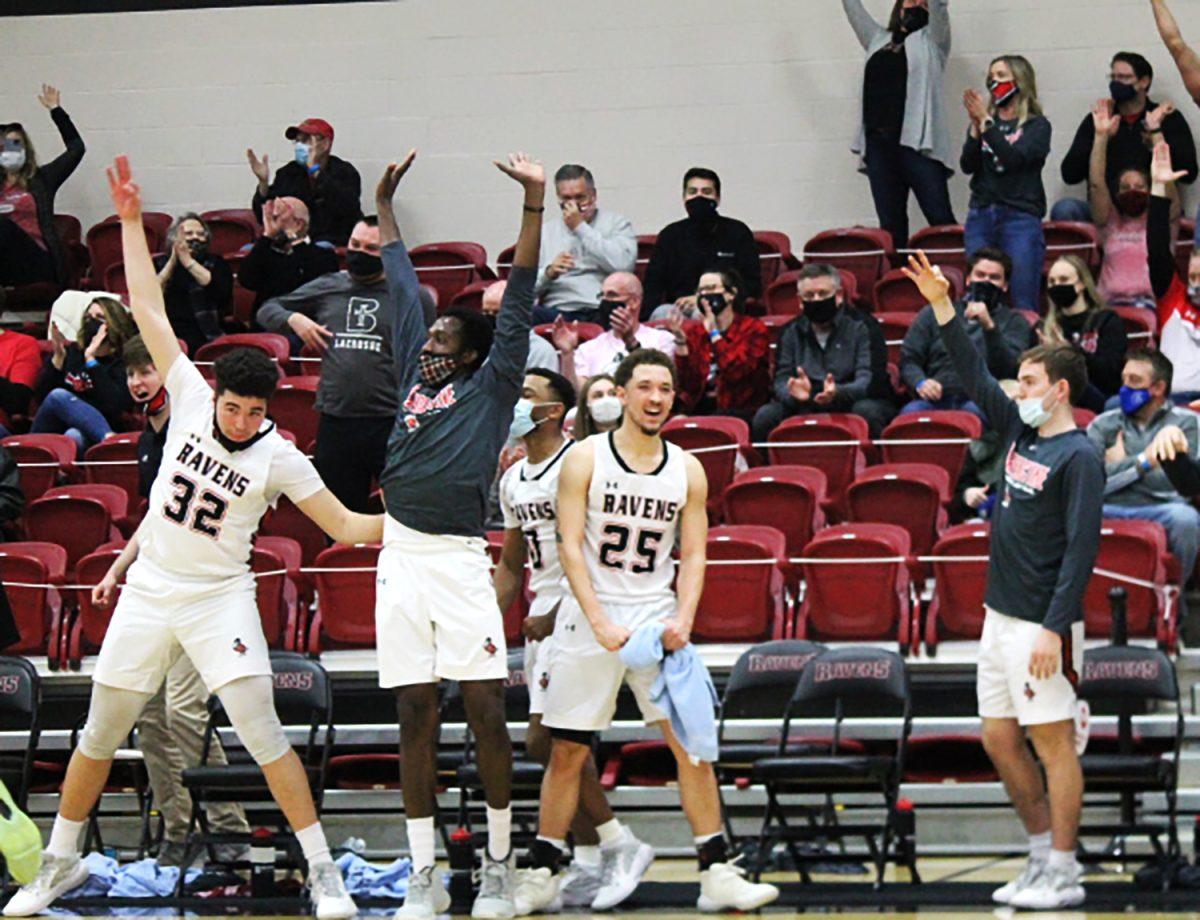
544	680
240	647
489	646
1029	694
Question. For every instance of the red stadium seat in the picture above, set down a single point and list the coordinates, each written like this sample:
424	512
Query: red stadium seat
91	622
721	440
292	408
936	425
788	498
345	615
1141	326
449	267
272	344
231	229
914	496
471	297
944	244
286	520
956	611
858	601
518	610
1137	549
774	255
504	261
27	568
114	462
1076	238
894	293
865	251
895	328
840	461
104	240
69	228
782	297
307	363
1083	417
43	460
743	603
645	249
275	593
78	523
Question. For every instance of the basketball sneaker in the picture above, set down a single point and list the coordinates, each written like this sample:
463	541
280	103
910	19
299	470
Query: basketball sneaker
536	892
1056	888
579	885
20	841
622	866
328	894
427	897
724	886
1034	866
495	898
56	876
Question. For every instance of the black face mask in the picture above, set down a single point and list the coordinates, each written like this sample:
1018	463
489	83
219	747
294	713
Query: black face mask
605	311
914	18
1122	92
715	302
198	248
821	311
983	292
701	209
362	264
91	326
1062	295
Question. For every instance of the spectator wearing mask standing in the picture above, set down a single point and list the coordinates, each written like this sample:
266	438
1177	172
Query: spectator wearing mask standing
30	248
687	248
1139	124
904	140
328	185
1006	148
581	246
197	284
345	318
998	334
541	352
284	257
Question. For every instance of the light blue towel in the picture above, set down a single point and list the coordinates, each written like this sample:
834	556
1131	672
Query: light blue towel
366	880
142	879
683	689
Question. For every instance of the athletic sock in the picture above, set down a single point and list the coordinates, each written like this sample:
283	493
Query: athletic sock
499	826
420	842
546	853
1039	845
1061	859
611	832
588	857
64	837
313	843
711	849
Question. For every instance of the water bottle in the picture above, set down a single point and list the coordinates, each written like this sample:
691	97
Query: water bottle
262	863
461	853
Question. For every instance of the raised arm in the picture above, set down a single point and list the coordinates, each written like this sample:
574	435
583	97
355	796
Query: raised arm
863	23
1106	124
1159	244
939	24
56	172
693	549
145	293
1186	59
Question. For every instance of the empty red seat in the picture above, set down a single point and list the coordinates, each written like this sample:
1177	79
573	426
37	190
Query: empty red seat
788	498
450	266
895	328
865	251
944	244
43	460
894	293
1068	237
956	611
834	443
774	254
345	615
114	461
782	296
90	623
104	240
30	571
948	425
231	229
274	345
719	440
746	602
1141	326
914	496
857	601
293	408
78	521
1137	549
278	609
645	249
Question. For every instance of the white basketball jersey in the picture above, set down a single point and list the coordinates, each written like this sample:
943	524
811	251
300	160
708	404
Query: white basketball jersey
632	523
206	502
529	499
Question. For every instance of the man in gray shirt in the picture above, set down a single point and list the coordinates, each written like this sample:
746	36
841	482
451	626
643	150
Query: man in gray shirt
580	248
541	352
1136	486
435	610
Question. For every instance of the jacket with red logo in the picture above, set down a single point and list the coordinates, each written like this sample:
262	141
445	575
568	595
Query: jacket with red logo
1178	319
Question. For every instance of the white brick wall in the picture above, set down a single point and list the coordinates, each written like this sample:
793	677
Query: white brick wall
764	91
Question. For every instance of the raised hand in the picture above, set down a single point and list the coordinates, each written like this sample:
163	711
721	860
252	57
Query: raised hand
392	174
975	105
260	168
928	278
126	195
270	224
571	215
1154	117
97	341
565	336
1168	444
1104	121
1161	169
50	96
1116	453
800	387
526	170
707	316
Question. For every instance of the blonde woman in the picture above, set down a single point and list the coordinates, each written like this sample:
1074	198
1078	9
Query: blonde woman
1005	150
599	409
1077	316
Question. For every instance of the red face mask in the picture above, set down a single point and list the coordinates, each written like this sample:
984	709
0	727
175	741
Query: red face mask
1002	92
156	403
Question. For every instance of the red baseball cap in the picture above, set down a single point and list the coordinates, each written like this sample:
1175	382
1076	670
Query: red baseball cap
310	126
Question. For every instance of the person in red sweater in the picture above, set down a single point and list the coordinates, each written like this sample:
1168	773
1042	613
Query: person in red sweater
722	357
20	364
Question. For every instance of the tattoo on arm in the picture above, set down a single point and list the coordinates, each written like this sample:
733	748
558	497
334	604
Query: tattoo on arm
558	536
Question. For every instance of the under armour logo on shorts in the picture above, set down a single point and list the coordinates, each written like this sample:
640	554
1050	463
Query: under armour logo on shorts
239	647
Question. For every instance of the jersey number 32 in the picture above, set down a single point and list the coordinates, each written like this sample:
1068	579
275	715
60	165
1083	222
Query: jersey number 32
207	514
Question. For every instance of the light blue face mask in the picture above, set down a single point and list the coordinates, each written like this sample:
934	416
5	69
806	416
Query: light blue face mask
523	421
302	151
1033	412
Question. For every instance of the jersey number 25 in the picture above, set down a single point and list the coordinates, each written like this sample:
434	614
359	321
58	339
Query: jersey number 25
616	544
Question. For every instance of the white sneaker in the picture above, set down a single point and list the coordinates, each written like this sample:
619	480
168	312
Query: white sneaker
1056	888
495	898
328	894
1083	726
723	886
536	892
621	869
579	885
1033	868
57	876
427	897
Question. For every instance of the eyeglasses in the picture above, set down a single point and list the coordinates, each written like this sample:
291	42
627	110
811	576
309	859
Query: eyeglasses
1126	78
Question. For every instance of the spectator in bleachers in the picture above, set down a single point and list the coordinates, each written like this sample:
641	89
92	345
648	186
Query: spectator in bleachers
1136	487
689	247
1005	150
197	284
581	246
999	334
82	388
150	396
723	358
1178	297
329	185
1136	124
1076	315
20	366
541	352
284	257
823	360
904	140
30	249
599	407
621	305
344	318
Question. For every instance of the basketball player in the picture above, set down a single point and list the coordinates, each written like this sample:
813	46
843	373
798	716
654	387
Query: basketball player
435	614
623	498
191	588
608	860
1045	536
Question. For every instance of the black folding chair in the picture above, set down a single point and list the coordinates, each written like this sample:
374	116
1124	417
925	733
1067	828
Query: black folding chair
1128	681
20	701
841	684
303	696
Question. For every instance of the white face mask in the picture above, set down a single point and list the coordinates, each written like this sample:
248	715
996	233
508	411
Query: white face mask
12	159
605	410
1033	412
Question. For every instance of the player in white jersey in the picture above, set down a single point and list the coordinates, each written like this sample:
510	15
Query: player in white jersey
191	588
528	497
623	499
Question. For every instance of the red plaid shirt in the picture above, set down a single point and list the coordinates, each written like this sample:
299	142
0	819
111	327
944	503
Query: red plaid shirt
743	372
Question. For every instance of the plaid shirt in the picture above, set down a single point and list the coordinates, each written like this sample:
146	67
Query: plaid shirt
737	364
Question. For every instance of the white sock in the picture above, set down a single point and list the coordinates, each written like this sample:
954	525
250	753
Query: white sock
611	832
588	857
313	843
420	842
1039	845
64	837
499	825
1061	859
700	841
